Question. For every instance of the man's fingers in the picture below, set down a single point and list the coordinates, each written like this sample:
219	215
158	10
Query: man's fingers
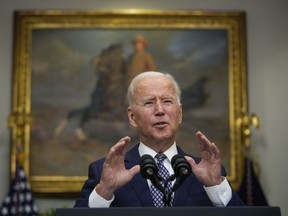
119	148
215	148
204	142
134	170
208	150
190	161
122	143
127	141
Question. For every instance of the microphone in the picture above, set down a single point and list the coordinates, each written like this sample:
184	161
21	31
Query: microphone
149	170
181	169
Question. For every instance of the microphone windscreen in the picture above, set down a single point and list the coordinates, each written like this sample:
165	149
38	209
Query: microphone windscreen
179	164
148	166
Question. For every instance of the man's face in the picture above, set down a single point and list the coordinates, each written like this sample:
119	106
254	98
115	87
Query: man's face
139	45
156	112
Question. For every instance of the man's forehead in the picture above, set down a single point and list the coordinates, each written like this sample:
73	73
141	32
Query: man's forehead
151	83
155	91
151	87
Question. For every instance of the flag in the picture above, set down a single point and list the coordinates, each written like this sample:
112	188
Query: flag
250	190
19	200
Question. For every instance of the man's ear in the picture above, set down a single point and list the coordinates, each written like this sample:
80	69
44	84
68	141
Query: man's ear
180	114
131	117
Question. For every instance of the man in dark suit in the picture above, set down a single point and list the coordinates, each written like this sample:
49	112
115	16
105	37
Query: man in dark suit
155	110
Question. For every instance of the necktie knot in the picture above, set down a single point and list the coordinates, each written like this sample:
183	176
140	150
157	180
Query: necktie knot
160	158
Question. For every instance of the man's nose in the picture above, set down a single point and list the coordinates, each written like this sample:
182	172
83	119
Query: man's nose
159	109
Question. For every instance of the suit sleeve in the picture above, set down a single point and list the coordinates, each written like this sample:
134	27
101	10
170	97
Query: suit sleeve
94	175
235	200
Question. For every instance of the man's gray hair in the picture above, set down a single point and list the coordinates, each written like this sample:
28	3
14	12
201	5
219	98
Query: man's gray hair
131	88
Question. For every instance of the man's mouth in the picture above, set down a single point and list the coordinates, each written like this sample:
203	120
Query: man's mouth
160	124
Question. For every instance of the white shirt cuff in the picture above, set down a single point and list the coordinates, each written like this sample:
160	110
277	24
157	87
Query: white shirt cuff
219	195
96	201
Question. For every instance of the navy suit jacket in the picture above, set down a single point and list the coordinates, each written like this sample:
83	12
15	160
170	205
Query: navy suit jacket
136	193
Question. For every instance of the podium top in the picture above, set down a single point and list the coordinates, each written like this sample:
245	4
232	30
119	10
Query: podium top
149	211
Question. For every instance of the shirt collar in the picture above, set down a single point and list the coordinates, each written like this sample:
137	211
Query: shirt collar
143	149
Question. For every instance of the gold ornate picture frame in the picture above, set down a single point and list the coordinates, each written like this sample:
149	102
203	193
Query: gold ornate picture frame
60	55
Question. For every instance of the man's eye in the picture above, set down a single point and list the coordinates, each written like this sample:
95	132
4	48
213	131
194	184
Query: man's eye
168	101
148	103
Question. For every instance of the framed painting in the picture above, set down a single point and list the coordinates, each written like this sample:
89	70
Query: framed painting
71	70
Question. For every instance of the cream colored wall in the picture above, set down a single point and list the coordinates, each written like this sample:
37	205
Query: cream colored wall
267	41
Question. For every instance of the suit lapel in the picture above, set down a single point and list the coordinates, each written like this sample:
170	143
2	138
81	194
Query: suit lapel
182	192
138	183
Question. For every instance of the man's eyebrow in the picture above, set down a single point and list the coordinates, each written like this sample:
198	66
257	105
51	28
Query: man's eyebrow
149	98
168	96
162	97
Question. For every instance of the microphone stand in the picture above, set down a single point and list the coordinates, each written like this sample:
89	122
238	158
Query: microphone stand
149	170
168	192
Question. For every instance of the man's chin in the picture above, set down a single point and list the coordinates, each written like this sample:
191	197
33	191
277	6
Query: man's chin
164	138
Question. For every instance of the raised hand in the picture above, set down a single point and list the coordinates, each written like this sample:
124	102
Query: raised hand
114	174
208	171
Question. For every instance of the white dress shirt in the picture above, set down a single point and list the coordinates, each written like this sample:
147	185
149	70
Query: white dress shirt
219	195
